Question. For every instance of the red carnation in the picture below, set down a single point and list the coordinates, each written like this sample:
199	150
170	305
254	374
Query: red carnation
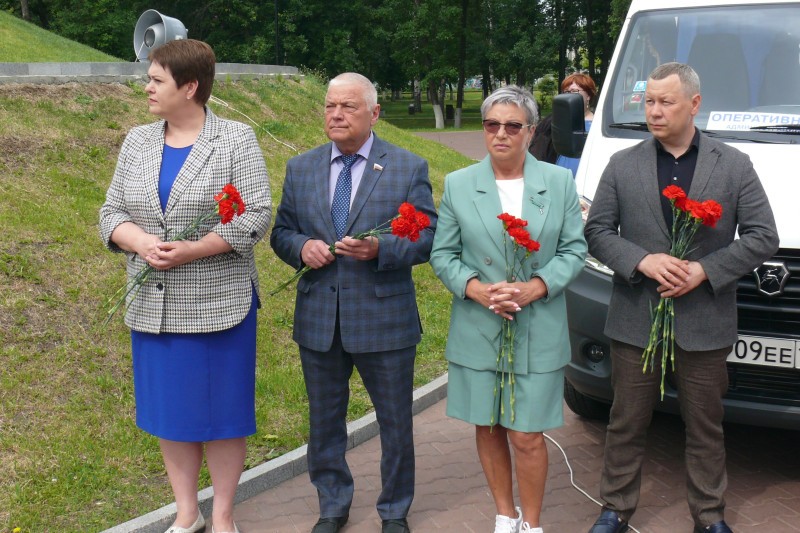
532	246
402	227
422	220
696	209
673	192
406	210
508	220
713	212
518	234
230	203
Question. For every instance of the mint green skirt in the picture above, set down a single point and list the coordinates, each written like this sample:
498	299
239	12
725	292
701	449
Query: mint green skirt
538	399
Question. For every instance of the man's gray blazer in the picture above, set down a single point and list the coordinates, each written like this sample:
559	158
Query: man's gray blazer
626	223
212	293
377	306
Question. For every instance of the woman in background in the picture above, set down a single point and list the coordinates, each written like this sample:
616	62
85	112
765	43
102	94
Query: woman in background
193	322
542	144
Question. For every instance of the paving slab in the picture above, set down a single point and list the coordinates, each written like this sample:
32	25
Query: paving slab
451	493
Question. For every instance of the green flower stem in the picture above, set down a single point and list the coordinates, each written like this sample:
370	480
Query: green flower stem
662	330
508	330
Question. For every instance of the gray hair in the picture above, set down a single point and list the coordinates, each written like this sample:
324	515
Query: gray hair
350	78
690	81
512	94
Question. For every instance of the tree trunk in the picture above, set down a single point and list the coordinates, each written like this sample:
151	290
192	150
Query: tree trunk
462	60
590	44
436	104
26	13
417	97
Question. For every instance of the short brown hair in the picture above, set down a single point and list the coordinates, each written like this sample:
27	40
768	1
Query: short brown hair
690	81
188	60
581	80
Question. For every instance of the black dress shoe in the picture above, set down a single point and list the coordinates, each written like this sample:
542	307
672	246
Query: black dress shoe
719	527
330	525
609	522
395	525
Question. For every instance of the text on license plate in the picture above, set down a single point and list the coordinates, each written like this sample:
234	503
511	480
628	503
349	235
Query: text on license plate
766	351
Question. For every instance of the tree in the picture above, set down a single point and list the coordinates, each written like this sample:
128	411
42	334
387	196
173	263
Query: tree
425	43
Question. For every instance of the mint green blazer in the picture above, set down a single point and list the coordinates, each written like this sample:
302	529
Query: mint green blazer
469	244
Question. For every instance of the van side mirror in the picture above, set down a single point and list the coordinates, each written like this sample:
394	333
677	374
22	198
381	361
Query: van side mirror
568	129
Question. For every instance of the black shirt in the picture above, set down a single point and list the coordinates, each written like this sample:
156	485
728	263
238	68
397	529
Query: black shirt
672	171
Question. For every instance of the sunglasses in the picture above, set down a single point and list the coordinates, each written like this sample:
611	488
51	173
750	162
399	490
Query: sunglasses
512	128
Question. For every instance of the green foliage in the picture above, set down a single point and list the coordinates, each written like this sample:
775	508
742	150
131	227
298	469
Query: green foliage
70	455
393	42
547	87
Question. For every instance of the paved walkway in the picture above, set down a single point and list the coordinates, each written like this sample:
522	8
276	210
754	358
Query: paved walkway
763	494
451	492
470	143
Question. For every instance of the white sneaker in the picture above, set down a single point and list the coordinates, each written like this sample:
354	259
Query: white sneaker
506	524
526	528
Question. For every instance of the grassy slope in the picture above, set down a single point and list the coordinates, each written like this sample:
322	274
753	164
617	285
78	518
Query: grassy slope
70	455
23	42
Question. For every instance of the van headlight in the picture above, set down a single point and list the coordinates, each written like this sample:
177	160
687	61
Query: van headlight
591	262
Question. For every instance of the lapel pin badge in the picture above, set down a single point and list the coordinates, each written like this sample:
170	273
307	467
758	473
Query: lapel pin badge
376	166
534	202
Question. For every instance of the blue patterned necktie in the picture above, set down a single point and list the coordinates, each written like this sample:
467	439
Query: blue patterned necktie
340	207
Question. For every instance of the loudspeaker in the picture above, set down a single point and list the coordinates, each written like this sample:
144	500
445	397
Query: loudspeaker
154	29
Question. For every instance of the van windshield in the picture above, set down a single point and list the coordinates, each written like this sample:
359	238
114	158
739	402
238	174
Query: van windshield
747	57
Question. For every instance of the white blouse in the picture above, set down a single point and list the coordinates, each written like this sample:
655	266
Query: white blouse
511	192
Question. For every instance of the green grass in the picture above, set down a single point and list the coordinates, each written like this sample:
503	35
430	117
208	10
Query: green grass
23	42
396	112
71	457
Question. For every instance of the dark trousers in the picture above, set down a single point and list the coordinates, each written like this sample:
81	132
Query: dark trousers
702	380
389	379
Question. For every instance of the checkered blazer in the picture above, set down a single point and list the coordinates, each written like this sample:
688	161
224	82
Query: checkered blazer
376	300
212	293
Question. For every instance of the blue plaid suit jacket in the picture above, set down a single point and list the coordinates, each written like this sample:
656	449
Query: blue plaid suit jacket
376	299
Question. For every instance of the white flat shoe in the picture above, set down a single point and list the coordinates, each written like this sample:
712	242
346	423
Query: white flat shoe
235	527
198	526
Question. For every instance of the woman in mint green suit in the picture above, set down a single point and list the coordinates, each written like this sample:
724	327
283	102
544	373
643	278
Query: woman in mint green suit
468	257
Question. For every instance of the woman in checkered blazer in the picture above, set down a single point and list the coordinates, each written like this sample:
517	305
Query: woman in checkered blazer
193	321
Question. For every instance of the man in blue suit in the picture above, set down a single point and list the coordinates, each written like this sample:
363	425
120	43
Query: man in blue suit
357	306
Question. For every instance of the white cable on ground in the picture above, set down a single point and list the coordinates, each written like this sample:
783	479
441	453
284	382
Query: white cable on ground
223	103
572	479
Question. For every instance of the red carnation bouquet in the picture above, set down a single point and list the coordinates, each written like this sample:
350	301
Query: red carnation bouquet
406	224
512	227
228	205
687	217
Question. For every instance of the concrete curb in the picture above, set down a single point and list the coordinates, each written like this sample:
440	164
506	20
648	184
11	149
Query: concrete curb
270	474
99	72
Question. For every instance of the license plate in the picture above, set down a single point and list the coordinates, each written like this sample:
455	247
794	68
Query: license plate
766	351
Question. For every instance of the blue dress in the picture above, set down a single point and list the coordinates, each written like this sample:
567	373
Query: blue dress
200	386
572	162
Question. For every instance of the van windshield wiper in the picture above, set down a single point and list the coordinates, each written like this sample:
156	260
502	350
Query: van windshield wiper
638	126
787	129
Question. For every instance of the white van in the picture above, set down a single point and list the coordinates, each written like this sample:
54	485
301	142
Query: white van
748	58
